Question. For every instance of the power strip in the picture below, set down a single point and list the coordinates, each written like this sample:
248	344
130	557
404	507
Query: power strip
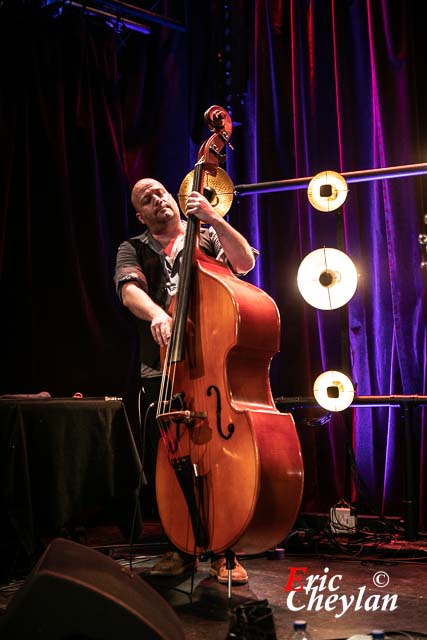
342	520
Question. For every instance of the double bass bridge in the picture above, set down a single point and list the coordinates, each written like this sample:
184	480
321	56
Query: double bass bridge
182	416
179	421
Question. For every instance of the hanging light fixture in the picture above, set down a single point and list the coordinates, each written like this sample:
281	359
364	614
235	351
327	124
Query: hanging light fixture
327	191
327	278
333	390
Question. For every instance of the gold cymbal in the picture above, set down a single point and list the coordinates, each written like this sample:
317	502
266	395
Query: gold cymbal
219	190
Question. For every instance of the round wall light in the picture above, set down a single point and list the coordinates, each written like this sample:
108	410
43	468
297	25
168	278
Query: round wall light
333	390
327	278
327	191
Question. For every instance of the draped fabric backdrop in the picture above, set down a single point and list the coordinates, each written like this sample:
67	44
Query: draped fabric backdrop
88	107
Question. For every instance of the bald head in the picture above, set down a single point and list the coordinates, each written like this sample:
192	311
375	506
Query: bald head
154	205
140	188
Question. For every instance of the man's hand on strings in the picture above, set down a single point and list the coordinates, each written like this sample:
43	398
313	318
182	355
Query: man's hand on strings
199	206
161	328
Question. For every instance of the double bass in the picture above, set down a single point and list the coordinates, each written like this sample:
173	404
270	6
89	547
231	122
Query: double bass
229	474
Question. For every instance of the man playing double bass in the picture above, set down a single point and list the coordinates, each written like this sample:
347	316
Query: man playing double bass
146	278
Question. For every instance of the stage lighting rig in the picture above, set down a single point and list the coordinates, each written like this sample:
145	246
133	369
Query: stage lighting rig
128	15
333	390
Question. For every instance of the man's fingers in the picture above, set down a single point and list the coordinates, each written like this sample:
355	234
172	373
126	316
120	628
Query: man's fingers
161	333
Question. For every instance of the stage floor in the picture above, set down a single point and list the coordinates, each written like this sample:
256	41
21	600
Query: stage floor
345	595
350	596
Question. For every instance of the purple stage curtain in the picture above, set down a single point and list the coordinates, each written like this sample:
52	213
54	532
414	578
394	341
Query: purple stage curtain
336	86
86	109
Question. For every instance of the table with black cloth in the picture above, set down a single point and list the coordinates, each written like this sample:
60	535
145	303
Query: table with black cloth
61	462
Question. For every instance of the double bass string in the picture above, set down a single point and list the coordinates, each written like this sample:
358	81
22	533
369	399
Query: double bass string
164	405
179	315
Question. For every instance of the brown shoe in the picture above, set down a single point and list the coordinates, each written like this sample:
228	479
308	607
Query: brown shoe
174	563
220	572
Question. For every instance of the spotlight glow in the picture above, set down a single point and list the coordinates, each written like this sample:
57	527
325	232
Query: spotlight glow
327	191
333	390
327	278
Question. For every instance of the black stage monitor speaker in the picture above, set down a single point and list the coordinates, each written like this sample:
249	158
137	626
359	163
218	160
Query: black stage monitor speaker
77	593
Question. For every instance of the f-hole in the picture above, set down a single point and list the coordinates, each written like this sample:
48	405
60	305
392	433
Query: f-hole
230	426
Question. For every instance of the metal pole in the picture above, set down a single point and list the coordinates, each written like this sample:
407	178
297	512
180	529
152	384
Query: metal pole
410	499
366	175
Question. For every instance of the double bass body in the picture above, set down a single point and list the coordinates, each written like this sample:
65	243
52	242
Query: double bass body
242	458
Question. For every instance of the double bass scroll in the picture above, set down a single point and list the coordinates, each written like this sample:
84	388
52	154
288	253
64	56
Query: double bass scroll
209	156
